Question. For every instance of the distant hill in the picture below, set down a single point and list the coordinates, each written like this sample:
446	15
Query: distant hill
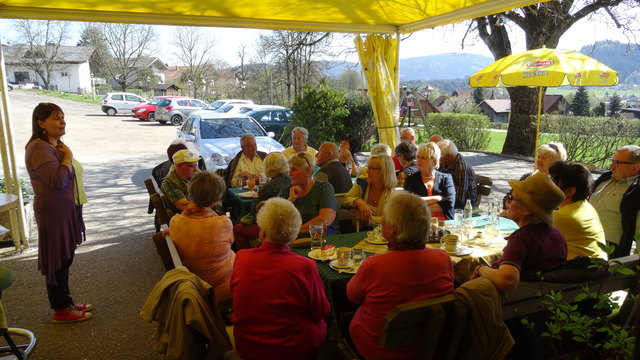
433	67
623	58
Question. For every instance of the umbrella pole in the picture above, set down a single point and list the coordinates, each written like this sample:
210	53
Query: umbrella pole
535	153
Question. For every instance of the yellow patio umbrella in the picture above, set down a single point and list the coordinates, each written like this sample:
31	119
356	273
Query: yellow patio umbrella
379	59
545	68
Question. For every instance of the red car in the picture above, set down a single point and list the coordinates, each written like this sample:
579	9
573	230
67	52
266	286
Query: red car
148	110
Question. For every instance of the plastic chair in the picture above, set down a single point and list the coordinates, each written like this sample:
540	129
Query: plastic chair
18	343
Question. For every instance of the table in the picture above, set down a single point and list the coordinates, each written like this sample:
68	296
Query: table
9	202
239	206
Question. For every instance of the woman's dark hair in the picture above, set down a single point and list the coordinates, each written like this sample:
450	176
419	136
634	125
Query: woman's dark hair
174	148
42	112
567	175
354	144
407	150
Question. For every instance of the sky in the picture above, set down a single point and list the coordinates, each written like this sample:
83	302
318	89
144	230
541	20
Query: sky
441	40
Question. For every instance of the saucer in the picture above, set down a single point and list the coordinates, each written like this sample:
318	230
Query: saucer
348	270
461	251
317	255
248	194
334	264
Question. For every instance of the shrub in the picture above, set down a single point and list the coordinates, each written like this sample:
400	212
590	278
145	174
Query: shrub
321	111
359	121
467	131
590	140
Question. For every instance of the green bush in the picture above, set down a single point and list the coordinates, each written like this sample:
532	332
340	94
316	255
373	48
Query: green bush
359	121
465	130
590	140
321	111
26	191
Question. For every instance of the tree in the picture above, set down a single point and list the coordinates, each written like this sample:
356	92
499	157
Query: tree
359	122
543	25
294	54
478	95
101	58
194	50
600	110
615	104
128	44
580	105
41	49
321	111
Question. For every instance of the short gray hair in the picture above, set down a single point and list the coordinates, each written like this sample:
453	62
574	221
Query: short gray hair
410	215
447	147
407	150
431	151
302	131
275	163
280	220
555	149
380	148
206	188
633	150
389	178
245	137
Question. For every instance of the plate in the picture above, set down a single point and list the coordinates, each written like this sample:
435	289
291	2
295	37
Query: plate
348	270
460	252
248	194
317	255
334	264
376	242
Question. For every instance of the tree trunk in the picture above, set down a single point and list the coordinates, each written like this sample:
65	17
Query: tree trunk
521	135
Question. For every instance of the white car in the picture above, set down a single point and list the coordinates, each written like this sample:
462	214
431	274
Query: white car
216	136
220	103
120	102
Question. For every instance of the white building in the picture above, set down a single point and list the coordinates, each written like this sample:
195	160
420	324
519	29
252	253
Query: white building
71	72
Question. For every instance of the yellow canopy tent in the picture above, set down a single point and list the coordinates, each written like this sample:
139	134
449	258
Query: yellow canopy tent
354	16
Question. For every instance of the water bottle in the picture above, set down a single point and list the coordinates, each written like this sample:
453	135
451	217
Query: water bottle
468	210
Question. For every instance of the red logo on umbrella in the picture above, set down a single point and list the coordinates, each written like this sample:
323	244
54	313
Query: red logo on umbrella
604	75
539	64
578	75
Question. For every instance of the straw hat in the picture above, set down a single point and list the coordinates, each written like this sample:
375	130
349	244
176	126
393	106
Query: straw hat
539	194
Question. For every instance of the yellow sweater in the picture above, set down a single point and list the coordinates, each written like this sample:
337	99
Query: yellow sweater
580	225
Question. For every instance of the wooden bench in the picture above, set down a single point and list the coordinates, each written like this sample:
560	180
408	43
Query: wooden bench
159	202
167	251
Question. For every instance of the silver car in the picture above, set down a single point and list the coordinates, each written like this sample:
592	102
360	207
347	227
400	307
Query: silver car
216	137
176	110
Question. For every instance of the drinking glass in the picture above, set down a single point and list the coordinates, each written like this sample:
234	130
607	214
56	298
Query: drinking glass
467	230
358	257
458	218
315	232
344	256
251	183
347	165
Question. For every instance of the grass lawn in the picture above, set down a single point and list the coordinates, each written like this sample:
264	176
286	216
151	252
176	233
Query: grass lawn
497	141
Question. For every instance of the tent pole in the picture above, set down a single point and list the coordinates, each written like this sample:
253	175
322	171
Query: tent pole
397	87
535	153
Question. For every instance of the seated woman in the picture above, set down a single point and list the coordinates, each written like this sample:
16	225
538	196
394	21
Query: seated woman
369	194
347	147
203	239
390	279
276	168
548	154
434	187
406	155
536	245
576	219
279	299
315	200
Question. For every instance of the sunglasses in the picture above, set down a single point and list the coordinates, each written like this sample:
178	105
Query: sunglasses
304	156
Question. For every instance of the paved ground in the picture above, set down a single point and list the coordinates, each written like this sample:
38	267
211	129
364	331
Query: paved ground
117	266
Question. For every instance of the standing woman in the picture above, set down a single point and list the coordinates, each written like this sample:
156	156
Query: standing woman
60	230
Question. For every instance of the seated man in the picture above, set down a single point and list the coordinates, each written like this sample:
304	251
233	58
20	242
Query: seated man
279	299
161	170
247	163
616	198
175	184
331	170
406	134
299	138
464	178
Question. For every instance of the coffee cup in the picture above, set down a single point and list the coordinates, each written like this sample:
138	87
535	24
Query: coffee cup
450	242
344	256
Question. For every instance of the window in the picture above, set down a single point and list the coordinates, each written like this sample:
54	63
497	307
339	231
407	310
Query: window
133	98
64	73
183	102
197	103
117	97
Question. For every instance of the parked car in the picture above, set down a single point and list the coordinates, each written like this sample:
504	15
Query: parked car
148	110
235	108
176	110
120	102
216	137
9	87
272	118
219	103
